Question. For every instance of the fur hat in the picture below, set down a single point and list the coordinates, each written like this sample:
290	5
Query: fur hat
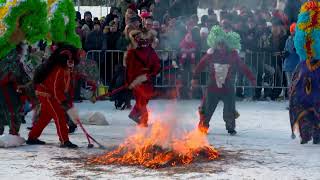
133	7
142	37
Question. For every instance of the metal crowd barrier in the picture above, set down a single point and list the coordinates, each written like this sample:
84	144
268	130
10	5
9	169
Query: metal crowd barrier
267	68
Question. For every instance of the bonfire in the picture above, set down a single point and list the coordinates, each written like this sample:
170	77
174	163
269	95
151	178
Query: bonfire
161	145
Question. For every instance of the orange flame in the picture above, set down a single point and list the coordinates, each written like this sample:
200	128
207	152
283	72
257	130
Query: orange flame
161	145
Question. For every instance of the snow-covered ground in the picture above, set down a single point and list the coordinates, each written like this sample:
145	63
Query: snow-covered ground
262	149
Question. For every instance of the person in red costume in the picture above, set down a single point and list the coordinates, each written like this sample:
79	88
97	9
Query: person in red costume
53	86
222	61
143	64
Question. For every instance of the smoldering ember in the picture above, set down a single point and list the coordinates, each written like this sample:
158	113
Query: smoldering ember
159	89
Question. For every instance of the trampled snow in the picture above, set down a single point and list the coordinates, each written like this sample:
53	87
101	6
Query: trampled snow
262	149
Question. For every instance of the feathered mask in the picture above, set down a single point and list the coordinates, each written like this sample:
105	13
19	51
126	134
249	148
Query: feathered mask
62	22
218	35
21	20
307	36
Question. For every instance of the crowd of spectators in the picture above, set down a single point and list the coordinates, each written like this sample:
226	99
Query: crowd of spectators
262	32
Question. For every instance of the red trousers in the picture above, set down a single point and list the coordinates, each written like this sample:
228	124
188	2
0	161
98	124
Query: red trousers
50	109
142	94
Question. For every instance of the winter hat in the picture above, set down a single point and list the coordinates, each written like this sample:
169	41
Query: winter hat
87	13
145	15
133	7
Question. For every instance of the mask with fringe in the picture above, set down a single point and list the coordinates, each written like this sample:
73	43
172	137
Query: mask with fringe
62	22
217	35
307	36
21	20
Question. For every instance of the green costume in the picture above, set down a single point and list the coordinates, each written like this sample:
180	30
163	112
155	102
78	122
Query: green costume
11	75
20	20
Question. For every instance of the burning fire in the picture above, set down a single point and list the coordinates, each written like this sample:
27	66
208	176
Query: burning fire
160	145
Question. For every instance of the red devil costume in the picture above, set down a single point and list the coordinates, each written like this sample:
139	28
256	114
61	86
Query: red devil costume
142	65
222	66
53	86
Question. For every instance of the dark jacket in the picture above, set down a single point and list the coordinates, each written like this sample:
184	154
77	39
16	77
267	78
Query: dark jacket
183	8
110	40
94	41
160	9
292	9
144	4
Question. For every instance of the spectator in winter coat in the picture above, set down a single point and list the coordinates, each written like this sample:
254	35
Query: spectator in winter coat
80	32
183	8
204	21
160	9
292	8
130	13
144	4
88	19
188	50
187	62
111	16
111	35
148	23
204	32
278	40
292	59
123	6
94	39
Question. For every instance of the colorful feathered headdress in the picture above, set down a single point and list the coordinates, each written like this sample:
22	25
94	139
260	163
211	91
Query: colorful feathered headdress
62	22
307	36
217	35
21	20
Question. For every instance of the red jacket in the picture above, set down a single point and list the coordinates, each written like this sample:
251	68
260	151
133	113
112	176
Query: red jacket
142	61
57	86
187	48
235	65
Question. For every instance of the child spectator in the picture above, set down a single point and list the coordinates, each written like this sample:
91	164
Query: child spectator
291	57
188	48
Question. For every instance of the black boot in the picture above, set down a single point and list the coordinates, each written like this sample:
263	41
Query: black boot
72	129
1	130
68	144
72	126
303	141
232	132
35	142
316	141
